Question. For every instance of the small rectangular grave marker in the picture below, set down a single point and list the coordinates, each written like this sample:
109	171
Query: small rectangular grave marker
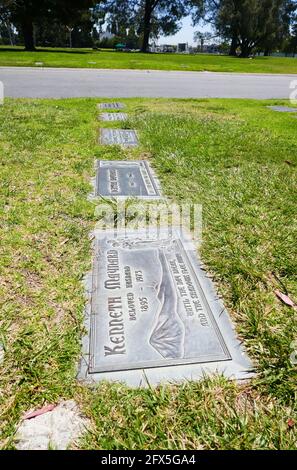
126	179
111	105
123	137
113	116
283	109
154	309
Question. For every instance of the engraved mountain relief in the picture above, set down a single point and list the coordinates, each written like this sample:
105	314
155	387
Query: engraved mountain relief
168	335
169	332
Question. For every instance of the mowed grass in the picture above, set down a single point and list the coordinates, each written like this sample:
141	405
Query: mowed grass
238	159
106	59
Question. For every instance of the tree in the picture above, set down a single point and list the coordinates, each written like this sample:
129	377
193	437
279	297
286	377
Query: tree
254	23
290	47
48	32
22	14
283	32
5	23
202	37
293	40
208	11
148	17
25	13
98	20
247	24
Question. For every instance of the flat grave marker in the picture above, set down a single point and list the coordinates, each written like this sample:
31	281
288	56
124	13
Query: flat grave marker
154	315
111	105
123	137
122	179
283	109
113	116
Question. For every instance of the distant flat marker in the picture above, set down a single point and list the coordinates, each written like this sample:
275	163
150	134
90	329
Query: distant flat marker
113	116
283	109
123	137
126	179
111	105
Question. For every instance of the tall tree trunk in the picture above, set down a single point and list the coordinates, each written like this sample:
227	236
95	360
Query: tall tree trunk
10	33
233	47
266	52
147	25
27	29
245	50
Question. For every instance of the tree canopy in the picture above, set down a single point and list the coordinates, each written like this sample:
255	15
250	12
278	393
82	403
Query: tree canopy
150	18
246	25
24	13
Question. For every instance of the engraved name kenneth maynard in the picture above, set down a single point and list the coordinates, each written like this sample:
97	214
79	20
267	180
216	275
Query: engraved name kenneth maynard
115	308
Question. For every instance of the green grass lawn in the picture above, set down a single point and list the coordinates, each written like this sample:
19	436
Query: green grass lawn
235	157
87	58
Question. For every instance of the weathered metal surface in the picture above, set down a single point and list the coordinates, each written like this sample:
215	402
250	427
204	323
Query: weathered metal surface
283	109
111	106
154	314
123	137
126	179
113	116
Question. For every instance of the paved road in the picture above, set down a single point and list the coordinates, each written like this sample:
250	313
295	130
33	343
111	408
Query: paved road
66	83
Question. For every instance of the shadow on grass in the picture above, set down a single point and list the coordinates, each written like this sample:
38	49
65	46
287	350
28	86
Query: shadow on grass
56	51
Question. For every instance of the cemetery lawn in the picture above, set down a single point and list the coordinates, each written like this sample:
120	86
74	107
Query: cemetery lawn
235	157
107	59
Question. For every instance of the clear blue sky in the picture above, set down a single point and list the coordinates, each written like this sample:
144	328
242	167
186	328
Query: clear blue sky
185	34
